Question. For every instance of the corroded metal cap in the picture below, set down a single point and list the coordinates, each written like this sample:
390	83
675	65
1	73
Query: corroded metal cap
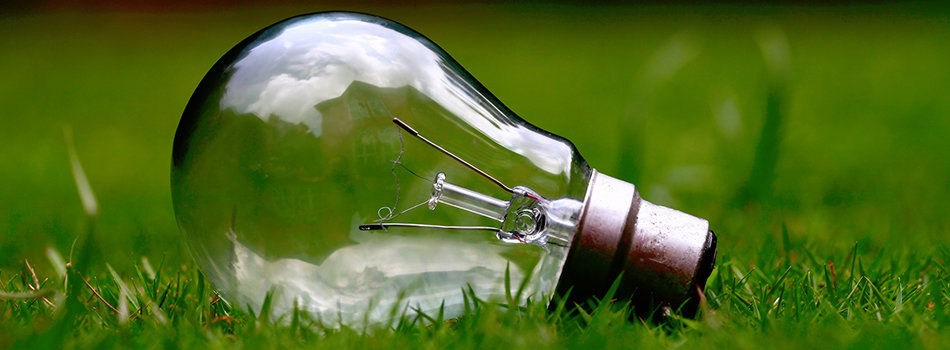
665	255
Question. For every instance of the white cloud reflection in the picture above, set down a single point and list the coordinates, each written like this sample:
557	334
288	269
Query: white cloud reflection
366	279
316	60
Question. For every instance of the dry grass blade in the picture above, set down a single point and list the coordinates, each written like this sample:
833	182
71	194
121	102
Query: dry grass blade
89	203
96	293
57	261
2	286
140	311
26	295
36	283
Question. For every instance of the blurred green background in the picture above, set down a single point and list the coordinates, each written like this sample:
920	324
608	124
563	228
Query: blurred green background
832	121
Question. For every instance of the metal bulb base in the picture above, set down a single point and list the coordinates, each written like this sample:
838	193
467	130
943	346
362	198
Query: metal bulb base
662	256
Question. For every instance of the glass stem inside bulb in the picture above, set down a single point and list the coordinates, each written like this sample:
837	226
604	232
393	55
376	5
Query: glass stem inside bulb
526	218
466	199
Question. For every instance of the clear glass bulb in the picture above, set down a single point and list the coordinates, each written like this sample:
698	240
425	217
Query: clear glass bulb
347	164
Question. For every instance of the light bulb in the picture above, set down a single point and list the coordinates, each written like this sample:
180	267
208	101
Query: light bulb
349	167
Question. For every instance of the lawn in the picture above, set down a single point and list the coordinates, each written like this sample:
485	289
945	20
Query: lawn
813	138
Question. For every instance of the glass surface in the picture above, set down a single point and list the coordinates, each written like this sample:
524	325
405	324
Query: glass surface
288	145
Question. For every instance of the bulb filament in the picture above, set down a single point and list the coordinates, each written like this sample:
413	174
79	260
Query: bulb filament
523	218
415	133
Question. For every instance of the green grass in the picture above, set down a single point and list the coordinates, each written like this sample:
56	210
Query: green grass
812	138
895	302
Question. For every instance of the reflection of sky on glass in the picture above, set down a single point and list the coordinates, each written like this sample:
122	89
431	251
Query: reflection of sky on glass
369	276
316	60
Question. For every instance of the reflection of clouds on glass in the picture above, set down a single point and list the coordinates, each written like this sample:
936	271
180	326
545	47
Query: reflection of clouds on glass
316	60
549	155
372	274
311	62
